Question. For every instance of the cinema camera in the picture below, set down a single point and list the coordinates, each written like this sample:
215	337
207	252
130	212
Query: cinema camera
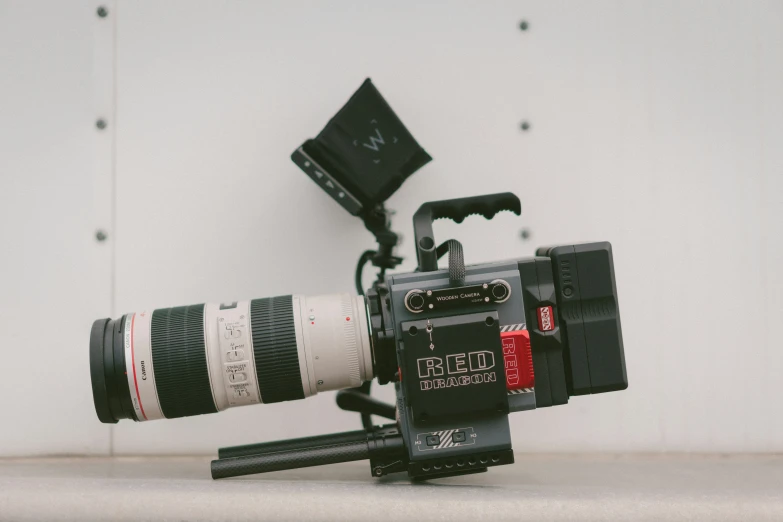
464	345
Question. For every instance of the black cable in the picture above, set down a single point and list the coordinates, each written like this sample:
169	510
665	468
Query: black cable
366	256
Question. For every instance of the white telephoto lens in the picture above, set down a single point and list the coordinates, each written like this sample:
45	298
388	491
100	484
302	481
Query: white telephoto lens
198	359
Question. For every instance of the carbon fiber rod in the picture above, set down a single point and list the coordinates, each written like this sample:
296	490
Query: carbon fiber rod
292	459
293	444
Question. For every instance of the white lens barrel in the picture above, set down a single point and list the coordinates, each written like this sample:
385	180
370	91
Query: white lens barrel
230	357
140	370
247	352
335	342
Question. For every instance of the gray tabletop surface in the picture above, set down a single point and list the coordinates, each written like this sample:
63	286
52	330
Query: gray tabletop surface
537	487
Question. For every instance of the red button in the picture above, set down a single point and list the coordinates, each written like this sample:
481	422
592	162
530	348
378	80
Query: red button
517	359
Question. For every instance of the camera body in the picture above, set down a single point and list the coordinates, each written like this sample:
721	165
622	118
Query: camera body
465	346
505	337
451	384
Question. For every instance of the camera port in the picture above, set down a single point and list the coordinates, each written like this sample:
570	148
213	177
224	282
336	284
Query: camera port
414	301
500	290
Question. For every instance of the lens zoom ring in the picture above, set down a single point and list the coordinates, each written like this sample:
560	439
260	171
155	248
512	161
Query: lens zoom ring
274	347
180	362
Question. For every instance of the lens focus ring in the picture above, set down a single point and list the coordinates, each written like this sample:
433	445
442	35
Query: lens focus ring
181	373
275	350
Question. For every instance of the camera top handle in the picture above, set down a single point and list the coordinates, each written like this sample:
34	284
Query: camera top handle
456	210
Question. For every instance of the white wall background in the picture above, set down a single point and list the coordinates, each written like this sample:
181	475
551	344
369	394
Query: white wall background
655	125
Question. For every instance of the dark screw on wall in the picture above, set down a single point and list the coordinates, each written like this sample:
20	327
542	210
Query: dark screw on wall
102	12
101	124
101	235
523	25
525	126
524	234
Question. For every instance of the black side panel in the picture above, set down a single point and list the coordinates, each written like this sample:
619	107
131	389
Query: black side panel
591	318
537	291
570	300
180	362
603	333
530	296
552	338
274	346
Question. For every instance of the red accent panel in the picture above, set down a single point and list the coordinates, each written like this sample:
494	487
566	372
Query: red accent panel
546	319
517	359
